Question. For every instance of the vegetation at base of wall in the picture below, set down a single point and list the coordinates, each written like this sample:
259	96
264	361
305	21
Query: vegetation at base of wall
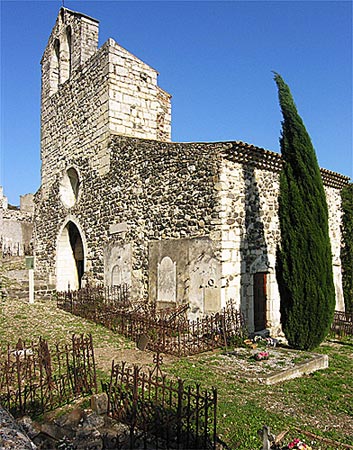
347	248
304	262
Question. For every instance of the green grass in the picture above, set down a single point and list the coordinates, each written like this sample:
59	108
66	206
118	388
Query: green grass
19	319
321	403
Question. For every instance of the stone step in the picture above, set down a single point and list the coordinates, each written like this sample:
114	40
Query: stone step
20	292
16	291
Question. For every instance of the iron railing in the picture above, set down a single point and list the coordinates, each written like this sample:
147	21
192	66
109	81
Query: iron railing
167	331
160	413
342	324
95	302
35	378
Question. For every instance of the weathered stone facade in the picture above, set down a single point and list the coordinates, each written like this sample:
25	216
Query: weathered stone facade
192	223
88	93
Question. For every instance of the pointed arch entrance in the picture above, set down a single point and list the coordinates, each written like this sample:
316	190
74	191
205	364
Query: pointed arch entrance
70	259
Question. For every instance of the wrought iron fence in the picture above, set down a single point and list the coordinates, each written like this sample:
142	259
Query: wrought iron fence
35	379
160	413
161	331
95	302
342	323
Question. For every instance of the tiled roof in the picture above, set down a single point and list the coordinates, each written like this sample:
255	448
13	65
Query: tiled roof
244	153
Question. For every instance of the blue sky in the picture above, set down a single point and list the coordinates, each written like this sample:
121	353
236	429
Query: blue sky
214	57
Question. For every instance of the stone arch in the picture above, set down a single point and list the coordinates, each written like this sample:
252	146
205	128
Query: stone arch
71	249
65	55
116	278
166	280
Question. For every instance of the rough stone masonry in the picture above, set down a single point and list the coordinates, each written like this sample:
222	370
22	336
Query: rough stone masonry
192	223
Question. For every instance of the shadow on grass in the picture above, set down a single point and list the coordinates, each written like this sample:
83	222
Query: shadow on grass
339	342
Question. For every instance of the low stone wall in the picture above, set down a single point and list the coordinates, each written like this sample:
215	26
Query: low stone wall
318	362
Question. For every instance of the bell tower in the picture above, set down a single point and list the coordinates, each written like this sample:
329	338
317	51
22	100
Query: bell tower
89	94
72	44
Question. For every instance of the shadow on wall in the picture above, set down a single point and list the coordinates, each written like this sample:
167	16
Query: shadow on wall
254	257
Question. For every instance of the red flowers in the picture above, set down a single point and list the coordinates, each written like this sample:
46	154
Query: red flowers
261	356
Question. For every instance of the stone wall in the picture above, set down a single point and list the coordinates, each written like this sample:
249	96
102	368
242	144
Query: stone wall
16	233
203	216
334	202
250	234
27	203
250	227
156	190
137	106
74	119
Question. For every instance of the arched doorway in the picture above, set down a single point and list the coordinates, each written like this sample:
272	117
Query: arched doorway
70	258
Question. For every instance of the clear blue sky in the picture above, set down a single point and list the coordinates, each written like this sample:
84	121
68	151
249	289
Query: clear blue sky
215	58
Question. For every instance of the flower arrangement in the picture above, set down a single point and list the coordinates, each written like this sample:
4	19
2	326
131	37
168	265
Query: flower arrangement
298	444
261	356
261	342
275	442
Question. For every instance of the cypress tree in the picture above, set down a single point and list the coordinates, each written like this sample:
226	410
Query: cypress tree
304	260
347	248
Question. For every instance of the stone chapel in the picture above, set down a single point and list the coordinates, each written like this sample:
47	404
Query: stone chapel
119	202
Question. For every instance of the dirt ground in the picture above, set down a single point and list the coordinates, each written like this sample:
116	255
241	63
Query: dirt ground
105	355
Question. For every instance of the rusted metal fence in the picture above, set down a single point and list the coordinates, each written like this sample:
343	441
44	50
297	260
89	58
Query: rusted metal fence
159	413
94	303
35	379
163	331
342	324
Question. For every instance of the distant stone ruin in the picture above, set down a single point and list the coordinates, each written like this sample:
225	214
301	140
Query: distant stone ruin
16	226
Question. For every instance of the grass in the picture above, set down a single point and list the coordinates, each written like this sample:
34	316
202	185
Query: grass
321	403
19	319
